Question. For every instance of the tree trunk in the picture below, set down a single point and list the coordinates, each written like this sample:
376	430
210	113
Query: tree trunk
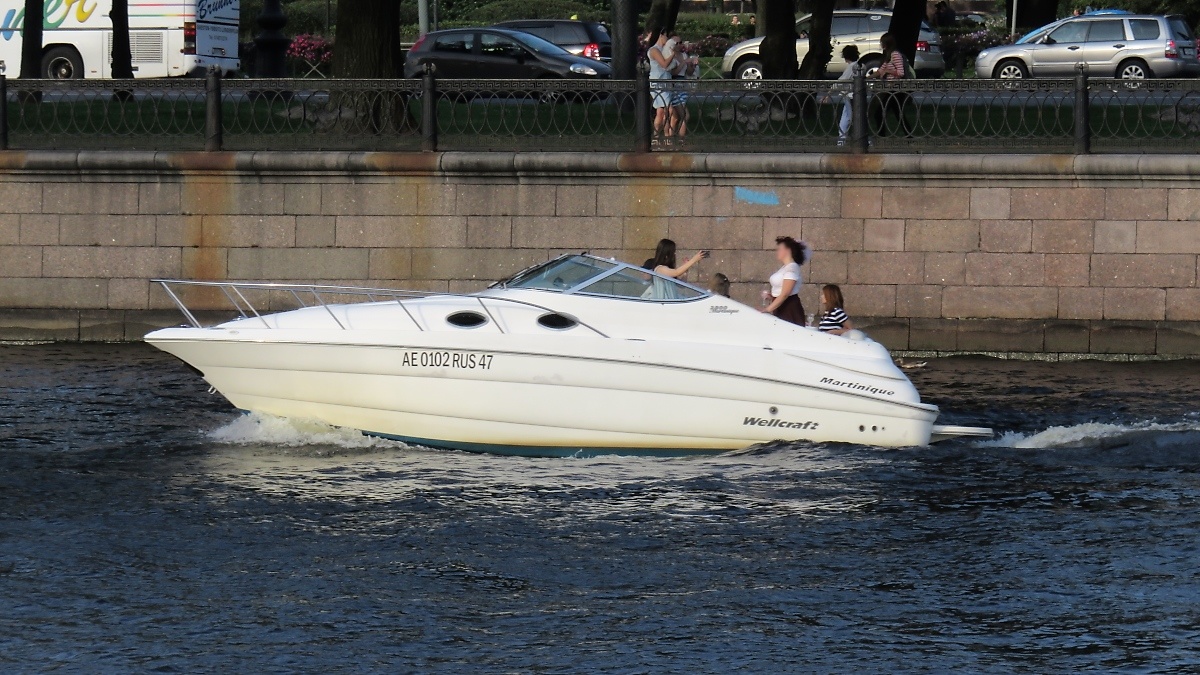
778	49
624	40
656	20
906	26
662	17
122	52
368	47
368	44
31	40
819	48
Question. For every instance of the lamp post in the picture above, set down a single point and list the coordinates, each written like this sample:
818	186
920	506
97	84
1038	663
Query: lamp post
271	44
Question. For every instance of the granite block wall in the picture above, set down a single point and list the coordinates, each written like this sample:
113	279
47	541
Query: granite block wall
1041	254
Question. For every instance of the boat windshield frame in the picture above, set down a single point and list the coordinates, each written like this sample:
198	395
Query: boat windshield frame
613	267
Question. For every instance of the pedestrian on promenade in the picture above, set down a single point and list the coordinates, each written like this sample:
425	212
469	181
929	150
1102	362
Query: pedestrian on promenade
846	88
662	70
887	103
784	299
688	68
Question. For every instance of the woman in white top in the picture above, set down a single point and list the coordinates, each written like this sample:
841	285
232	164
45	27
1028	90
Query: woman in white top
785	283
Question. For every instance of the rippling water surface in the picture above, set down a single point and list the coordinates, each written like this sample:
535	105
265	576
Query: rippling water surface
146	526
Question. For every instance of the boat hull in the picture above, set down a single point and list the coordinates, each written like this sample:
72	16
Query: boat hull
591	397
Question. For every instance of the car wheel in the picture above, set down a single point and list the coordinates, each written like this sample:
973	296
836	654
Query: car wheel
62	63
1011	69
1134	69
749	70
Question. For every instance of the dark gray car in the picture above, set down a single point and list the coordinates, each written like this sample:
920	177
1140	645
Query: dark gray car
497	53
581	38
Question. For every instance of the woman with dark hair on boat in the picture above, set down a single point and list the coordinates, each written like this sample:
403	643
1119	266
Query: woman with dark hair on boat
785	283
663	263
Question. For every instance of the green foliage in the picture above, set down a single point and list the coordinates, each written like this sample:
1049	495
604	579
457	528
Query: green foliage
695	26
303	17
503	10
458	10
410	31
308	16
1188	8
483	10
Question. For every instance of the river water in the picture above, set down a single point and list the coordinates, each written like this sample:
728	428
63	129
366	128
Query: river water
145	526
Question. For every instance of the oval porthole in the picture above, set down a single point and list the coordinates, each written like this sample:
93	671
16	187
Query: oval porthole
557	321
466	319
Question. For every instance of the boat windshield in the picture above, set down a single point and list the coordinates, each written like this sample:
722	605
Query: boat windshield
588	275
561	274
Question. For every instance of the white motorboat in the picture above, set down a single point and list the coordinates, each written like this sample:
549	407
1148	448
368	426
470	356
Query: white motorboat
579	355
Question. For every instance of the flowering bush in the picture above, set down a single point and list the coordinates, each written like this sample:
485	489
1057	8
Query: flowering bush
311	48
969	44
712	45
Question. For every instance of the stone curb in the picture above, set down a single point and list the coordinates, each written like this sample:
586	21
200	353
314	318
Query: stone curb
1124	167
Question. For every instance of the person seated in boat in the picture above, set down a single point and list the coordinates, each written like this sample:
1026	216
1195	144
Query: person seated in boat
833	311
785	283
663	263
719	285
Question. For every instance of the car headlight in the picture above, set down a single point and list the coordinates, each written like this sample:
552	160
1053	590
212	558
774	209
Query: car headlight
981	55
580	69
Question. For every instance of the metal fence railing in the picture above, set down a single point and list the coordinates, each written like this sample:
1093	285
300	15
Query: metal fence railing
1079	115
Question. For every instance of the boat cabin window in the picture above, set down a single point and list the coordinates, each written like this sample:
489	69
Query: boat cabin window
589	275
641	284
562	274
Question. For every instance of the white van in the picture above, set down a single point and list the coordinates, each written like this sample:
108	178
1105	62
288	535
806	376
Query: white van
167	37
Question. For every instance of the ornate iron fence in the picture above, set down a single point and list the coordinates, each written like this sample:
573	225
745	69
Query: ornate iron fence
320	115
535	114
1061	115
93	114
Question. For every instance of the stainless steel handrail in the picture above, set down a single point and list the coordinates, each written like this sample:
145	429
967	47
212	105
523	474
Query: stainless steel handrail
296	290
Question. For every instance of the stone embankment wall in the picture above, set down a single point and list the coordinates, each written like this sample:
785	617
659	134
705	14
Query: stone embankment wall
1094	254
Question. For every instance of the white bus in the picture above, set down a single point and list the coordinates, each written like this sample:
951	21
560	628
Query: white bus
168	37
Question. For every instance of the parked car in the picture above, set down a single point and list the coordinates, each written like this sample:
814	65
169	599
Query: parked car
497	53
1127	46
853	26
581	38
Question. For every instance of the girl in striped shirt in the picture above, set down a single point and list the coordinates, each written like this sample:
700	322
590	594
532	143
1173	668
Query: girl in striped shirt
833	311
887	103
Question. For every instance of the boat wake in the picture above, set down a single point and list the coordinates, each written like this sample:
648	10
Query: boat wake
1138	442
260	429
1175	444
1093	434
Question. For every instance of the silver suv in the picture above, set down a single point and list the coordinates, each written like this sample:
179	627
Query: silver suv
1128	46
850	27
